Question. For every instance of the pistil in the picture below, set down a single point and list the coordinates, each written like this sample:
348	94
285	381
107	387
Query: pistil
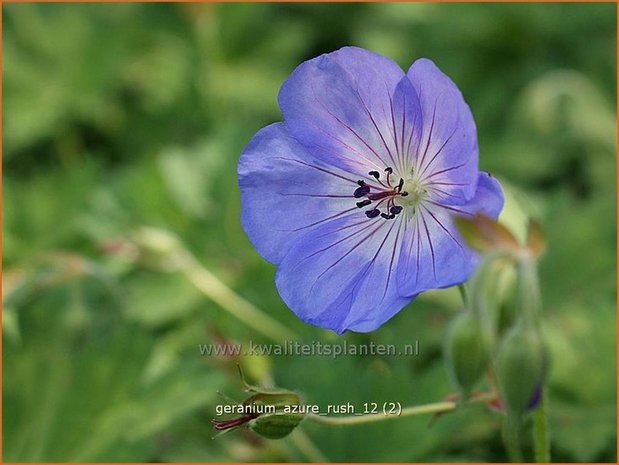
385	193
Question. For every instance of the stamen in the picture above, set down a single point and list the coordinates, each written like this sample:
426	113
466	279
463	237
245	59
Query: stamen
380	195
386	192
221	425
361	191
389	171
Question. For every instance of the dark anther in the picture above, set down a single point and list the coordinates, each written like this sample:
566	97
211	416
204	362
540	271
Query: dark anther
386	192
361	191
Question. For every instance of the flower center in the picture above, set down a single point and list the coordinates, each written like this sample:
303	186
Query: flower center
381	197
416	193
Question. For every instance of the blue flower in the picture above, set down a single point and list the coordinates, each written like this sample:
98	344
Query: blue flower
353	195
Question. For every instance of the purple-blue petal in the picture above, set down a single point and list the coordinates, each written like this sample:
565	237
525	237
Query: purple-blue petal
340	276
341	106
285	192
406	123
433	254
448	152
489	197
315	190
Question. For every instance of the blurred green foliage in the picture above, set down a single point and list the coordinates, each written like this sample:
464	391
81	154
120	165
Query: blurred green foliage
123	116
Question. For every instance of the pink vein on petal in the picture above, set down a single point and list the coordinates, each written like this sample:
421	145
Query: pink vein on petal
347	127
395	135
343	228
376	126
345	238
395	246
443	227
425	225
319	168
423	157
445	170
442	191
352	149
321	221
402	154
410	138
365	238
319	196
418	231
457	210
424	169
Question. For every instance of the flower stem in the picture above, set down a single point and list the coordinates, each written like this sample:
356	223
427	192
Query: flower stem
307	447
437	407
511	437
540	432
234	304
165	251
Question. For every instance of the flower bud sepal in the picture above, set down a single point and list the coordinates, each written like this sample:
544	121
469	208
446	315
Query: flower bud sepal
467	351
520	369
270	412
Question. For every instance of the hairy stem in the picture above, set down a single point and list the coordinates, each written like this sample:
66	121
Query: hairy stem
540	432
511	437
234	304
307	447
437	407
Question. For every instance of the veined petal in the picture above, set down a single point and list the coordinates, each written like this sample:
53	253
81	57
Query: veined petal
341	106
433	254
407	124
354	195
448	152
489	197
340	276
285	192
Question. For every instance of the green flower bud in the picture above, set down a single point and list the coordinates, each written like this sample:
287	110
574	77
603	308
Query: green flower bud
467	351
282	421
270	412
520	368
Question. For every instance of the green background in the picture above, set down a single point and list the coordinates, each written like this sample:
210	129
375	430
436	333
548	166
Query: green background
117	117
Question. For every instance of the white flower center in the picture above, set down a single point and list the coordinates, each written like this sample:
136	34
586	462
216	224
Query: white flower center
417	193
385	194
